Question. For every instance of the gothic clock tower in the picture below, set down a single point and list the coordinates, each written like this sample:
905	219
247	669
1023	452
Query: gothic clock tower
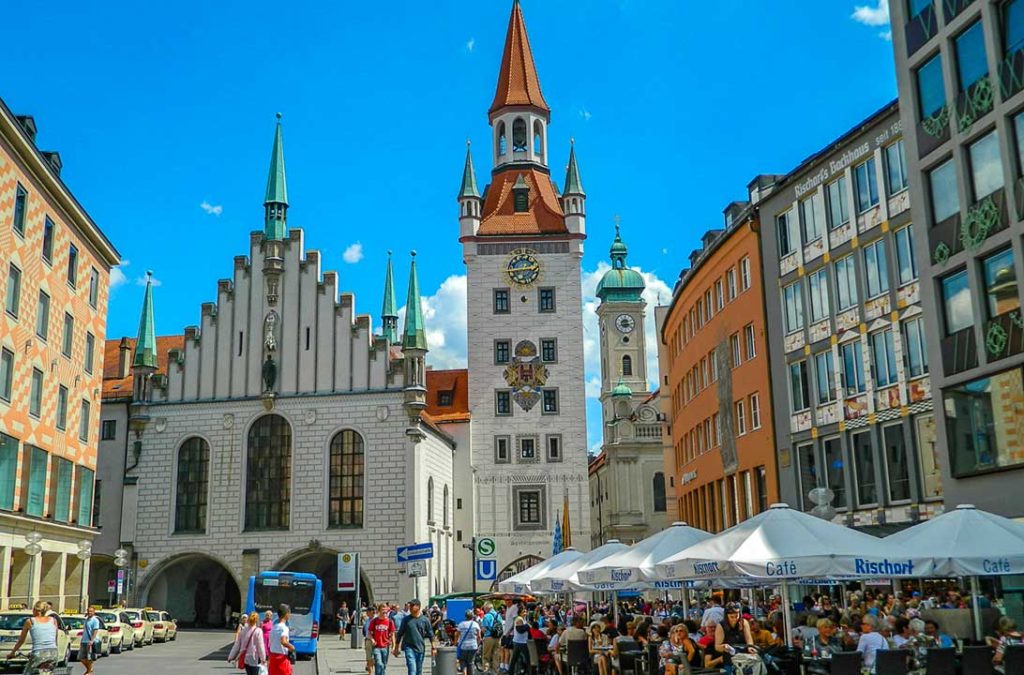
522	246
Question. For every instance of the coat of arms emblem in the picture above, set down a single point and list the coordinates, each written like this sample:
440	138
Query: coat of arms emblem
526	375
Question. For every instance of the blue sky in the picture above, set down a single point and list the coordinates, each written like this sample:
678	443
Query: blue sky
160	108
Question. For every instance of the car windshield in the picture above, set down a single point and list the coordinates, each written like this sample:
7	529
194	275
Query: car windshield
13	621
73	622
108	618
152	616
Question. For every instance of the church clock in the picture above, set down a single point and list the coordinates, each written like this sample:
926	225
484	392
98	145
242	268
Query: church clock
625	323
523	268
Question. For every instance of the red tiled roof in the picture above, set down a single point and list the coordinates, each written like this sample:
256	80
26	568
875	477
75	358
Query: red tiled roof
518	84
115	387
455	381
544	215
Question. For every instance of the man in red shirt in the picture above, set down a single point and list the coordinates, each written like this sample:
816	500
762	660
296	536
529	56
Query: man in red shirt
382	634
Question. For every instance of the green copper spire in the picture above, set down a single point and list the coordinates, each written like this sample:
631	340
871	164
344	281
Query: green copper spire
620	283
389	313
573	184
276	200
622	389
415	332
145	344
468	177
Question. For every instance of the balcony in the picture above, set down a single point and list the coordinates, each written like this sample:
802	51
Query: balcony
649	431
959	351
1004	335
952	8
933	131
921	28
973	103
1011	74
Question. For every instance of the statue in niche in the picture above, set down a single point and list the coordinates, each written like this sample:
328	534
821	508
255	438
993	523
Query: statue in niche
269	374
269	331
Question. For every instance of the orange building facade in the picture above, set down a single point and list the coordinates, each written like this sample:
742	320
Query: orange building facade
714	344
54	280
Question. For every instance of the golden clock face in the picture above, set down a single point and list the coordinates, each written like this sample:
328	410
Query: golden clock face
523	268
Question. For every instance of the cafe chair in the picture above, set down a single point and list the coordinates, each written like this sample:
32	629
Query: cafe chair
577	657
940	661
976	660
1013	660
891	661
846	663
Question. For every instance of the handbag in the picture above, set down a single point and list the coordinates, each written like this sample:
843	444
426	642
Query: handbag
248	643
291	657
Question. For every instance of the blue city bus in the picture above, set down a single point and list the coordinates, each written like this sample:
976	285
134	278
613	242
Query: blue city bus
298	590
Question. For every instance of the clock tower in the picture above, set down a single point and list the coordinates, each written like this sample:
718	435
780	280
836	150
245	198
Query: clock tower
522	247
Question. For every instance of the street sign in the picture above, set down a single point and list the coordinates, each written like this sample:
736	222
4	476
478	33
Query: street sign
485	547
347	571
120	582
111	586
416	568
415	552
487	569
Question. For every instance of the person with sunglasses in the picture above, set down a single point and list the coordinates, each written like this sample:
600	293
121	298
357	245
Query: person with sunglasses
870	640
734	630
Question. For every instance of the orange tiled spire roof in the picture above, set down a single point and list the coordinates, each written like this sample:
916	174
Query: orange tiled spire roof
518	83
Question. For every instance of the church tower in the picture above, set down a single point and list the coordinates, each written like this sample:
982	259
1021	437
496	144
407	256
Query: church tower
522	246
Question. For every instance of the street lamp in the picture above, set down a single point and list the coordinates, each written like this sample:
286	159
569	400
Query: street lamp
32	549
84	553
120	561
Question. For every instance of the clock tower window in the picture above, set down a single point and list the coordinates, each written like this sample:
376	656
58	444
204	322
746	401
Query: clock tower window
627	366
519	135
546	299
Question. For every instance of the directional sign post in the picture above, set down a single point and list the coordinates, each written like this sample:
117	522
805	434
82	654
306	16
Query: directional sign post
415	552
486	569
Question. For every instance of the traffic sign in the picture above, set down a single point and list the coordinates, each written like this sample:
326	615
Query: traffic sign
415	552
111	586
485	547
416	568
486	570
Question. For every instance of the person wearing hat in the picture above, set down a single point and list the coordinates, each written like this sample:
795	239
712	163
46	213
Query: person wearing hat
412	637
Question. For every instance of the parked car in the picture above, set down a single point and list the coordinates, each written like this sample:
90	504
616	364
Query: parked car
122	634
143	626
164	627
75	625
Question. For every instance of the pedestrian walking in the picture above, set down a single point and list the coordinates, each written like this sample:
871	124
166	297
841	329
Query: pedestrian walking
282	652
412	637
343	618
43	630
382	637
248	649
364	626
520	661
267	626
468	642
492	630
90	646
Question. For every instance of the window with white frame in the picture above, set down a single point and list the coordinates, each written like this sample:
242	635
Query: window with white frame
730	283
846	282
744	273
716	421
755	411
741	418
788	232
793	307
712	358
906	262
817	284
896	167
825	377
876	267
812	218
883	356
748	340
853	368
719	295
866	183
734	346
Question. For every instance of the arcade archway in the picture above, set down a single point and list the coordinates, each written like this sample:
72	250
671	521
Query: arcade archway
515	567
324	564
197	589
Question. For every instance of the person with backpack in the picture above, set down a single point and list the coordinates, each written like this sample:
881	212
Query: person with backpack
492	630
468	643
412	637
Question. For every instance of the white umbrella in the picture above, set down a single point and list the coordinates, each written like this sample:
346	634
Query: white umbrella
565	577
520	583
637	563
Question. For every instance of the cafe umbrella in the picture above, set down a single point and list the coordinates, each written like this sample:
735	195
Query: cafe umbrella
566	577
520	583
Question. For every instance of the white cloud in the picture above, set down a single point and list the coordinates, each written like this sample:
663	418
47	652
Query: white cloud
878	15
593	387
585	114
210	209
141	281
444	314
353	254
117	275
886	35
470	44
664	251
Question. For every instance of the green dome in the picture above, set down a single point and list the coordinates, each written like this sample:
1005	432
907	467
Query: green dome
620	284
622	389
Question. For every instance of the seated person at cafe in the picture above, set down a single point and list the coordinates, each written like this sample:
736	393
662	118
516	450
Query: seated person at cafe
870	640
820	648
1006	630
900	632
932	630
763	637
680	648
733	632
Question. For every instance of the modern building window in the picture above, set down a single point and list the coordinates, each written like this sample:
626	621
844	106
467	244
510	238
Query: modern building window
812	218
798	386
986	165
807	460
13	296
193	486
549	350
1000	283
35	399
345	499
928	456
73	266
865	181
1013	26
6	373
268	474
853	368
864	469
502	403
825	372
744	273
48	232
741	418
971	63
789	233
897	463
61	472
943	188
981	417
876	268
501	304
846	282
956	303
501	450
108	430
502	351
838	202
835	471
549	401
730	282
896	167
915	348
817	284
931	91
36	461
883	359
755	412
546	299
734	347
83	421
918	6
793	307
529	508
20	204
627	366
554	443
62	407
69	335
658	488
94	287
749	341
86	478
43	316
90	352
906	260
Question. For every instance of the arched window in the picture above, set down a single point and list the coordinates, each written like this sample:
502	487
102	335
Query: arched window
193	486
268	474
519	135
444	514
627	366
659	492
345	491
502	140
430	501
538	138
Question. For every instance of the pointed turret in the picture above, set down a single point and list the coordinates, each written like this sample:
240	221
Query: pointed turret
389	312
470	204
414	336
518	83
574	199
468	188
573	184
275	202
620	283
145	343
414	352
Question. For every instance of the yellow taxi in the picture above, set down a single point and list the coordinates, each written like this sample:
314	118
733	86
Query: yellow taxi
143	626
119	626
75	625
11	623
164	627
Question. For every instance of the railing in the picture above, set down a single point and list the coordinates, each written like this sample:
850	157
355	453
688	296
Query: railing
1004	335
959	351
921	28
1011	74
952	8
973	103
649	431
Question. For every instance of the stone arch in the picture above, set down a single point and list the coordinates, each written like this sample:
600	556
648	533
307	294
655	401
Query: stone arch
323	562
195	587
515	567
